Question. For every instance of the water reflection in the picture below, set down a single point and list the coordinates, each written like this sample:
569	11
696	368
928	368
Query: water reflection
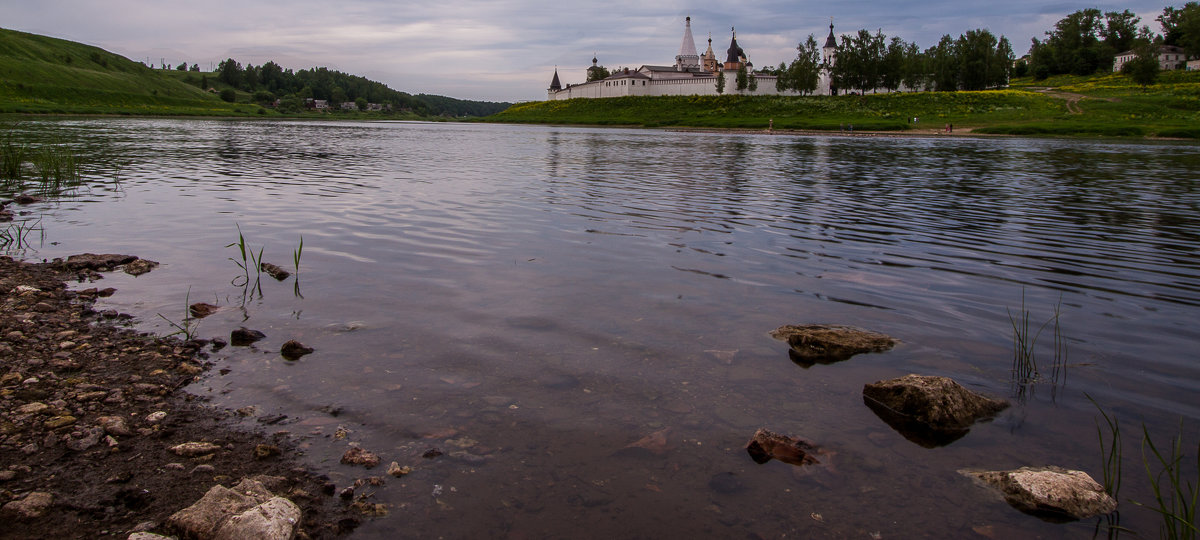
554	295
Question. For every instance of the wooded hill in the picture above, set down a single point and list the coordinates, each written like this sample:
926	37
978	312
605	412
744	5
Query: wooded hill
45	75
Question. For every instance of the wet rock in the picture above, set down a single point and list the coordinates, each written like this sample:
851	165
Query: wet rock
767	445
143	535
33	408
192	449
24	199
825	344
201	310
431	453
91	261
156	417
33	506
359	456
274	271
293	350
244	336
218	344
928	410
396	470
1052	493
139	267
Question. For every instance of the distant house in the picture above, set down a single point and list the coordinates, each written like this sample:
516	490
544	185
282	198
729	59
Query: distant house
1193	65
1169	57
349	106
374	107
319	104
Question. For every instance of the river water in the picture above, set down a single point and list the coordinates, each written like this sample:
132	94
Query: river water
578	318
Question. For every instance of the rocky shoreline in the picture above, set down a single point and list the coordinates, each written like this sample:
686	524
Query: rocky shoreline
90	413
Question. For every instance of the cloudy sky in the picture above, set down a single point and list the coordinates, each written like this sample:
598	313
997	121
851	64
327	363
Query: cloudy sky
506	50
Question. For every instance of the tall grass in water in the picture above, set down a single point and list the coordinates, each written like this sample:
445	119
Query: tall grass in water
12	158
16	236
249	259
56	167
1175	496
188	325
1025	368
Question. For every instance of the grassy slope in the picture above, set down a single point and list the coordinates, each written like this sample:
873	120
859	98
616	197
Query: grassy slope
40	74
1111	105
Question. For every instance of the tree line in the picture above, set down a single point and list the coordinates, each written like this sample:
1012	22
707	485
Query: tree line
1087	40
270	81
866	62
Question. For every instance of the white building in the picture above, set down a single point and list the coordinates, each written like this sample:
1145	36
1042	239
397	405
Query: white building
692	74
1169	57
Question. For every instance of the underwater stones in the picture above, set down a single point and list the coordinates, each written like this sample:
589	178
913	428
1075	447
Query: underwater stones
92	261
929	410
359	456
244	336
827	343
139	267
293	350
1051	493
274	271
766	445
201	310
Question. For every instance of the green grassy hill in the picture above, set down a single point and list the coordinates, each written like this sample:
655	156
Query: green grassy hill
40	74
1100	105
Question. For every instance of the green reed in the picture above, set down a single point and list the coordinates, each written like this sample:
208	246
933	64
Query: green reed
16	236
1025	337
188	325
1175	496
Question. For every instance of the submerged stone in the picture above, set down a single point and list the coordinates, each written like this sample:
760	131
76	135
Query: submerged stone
244	336
274	271
293	350
139	267
1051	493
767	445
929	410
826	343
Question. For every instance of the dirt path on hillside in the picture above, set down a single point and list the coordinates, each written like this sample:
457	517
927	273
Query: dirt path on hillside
1071	98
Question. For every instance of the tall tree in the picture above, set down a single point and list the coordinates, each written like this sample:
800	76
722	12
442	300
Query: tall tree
1120	31
720	81
916	68
229	71
804	74
892	65
1073	46
1181	27
742	80
943	64
782	80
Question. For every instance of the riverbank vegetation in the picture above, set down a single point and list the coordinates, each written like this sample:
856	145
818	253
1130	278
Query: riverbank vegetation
1109	104
44	75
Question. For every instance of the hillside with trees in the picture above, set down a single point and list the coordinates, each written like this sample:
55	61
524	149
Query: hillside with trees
1086	41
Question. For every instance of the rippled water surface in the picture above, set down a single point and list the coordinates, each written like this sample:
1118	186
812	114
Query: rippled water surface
579	317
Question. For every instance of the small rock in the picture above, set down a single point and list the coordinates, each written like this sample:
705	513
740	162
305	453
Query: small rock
766	445
826	344
115	425
431	453
33	408
156	417
928	410
203	468
358	456
86	440
139	267
264	451
293	350
143	535
24	199
1052	493
9	474
59	421
201	310
244	336
274	271
32	506
175	467
396	470
192	449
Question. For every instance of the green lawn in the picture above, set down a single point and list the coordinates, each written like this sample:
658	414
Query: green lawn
1106	105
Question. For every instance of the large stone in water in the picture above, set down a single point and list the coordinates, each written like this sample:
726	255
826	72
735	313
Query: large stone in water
1051	493
828	343
929	410
275	519
244	336
92	261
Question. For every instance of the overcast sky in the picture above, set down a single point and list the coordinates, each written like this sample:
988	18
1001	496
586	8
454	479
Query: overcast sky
506	50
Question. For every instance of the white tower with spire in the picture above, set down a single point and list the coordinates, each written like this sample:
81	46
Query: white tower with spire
687	60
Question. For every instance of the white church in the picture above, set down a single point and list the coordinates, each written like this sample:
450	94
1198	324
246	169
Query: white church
691	75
